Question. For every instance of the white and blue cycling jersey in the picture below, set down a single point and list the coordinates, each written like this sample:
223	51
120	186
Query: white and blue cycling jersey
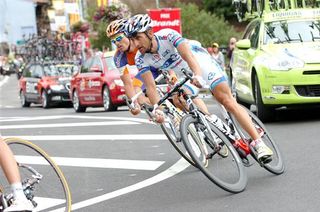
168	58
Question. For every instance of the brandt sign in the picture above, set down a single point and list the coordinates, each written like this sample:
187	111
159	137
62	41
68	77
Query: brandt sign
166	18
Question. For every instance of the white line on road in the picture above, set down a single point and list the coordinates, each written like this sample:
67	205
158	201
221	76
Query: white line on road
37	118
93	162
173	170
82	124
92	137
5	79
46	203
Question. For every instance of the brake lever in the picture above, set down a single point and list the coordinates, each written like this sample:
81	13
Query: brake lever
187	73
129	102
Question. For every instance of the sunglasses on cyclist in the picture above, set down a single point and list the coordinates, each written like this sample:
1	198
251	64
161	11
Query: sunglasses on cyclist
117	39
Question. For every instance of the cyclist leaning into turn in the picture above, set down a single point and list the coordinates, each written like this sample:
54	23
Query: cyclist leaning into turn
166	50
124	59
11	171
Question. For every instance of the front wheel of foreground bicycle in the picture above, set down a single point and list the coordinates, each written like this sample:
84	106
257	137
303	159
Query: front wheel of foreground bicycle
228	173
276	166
174	137
49	192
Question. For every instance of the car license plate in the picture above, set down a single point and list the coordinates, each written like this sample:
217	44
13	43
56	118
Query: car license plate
56	98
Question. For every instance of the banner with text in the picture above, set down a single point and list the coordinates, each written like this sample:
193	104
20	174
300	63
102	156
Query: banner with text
166	18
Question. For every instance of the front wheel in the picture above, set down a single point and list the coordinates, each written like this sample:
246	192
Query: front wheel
264	113
170	127
276	166
43	181
45	100
226	172
23	100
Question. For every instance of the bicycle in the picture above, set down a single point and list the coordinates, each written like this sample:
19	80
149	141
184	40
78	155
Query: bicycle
43	182
173	115
245	9
213	134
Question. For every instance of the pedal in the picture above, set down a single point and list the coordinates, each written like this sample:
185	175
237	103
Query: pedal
246	162
265	160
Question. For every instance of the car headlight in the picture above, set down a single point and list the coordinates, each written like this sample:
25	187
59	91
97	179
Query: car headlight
118	82
56	87
284	63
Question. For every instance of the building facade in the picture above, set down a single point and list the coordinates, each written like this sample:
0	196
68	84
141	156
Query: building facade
17	18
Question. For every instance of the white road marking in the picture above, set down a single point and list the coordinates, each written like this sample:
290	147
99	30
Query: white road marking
81	124
173	170
5	79
46	203
7	106
9	119
93	162
91	137
176	168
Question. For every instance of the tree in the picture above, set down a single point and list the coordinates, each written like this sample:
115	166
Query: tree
205	27
222	8
99	18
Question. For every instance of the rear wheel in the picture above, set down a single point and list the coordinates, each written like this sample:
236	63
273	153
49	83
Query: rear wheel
107	101
276	166
259	6
43	181
228	173
76	103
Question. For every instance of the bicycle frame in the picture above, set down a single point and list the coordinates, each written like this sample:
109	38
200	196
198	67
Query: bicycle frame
28	187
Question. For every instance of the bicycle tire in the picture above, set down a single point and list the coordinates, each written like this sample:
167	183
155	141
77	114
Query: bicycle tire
174	136
276	166
52	192
234	177
259	6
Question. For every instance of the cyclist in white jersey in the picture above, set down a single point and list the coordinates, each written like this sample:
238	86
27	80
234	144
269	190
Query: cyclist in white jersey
167	49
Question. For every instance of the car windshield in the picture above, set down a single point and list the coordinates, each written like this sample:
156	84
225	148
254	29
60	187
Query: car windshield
110	63
292	31
60	71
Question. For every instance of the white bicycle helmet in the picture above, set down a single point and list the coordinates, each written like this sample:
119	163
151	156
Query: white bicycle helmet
138	23
116	27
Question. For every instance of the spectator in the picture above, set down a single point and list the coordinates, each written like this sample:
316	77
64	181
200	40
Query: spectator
88	53
217	55
231	46
209	49
97	52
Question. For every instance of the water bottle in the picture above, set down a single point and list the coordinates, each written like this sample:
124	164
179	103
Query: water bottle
216	121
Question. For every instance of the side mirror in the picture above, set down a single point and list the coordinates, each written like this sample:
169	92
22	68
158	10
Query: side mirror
243	44
95	69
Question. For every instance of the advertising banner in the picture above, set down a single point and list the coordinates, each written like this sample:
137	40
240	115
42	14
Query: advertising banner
166	18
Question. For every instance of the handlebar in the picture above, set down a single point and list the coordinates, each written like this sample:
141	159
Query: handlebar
163	75
130	101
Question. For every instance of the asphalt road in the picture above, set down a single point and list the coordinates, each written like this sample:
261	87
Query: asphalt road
124	163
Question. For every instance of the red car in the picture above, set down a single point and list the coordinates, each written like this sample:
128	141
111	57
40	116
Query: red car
46	83
98	84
